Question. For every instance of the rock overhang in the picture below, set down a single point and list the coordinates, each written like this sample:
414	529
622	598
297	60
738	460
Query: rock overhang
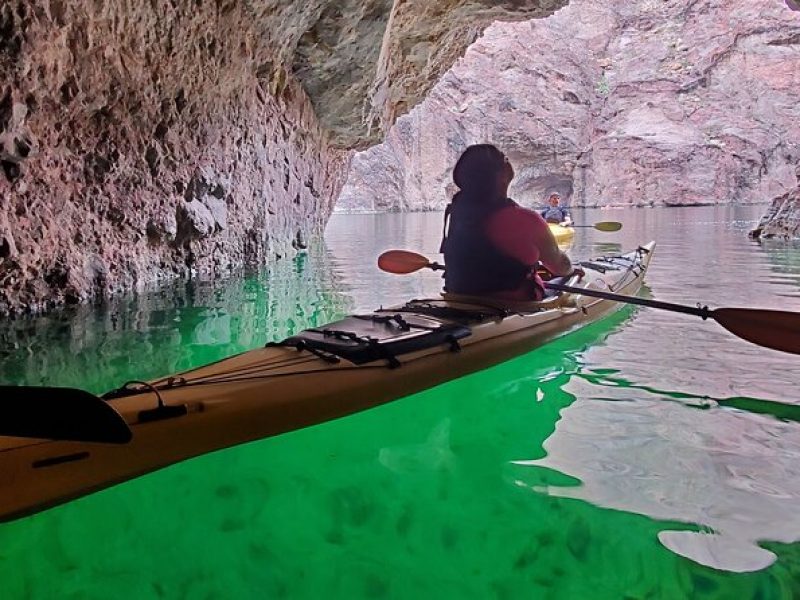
363	63
111	112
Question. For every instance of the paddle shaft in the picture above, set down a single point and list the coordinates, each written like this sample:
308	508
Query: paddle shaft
776	329
697	311
607	226
404	262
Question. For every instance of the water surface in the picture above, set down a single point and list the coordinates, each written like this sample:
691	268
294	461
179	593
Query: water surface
649	455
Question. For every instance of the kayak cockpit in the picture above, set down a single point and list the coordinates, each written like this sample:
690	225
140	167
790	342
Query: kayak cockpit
362	339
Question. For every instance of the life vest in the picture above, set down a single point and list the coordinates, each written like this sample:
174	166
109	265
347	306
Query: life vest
554	214
473	265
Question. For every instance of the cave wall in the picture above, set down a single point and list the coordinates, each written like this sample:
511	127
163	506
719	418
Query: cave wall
147	140
145	144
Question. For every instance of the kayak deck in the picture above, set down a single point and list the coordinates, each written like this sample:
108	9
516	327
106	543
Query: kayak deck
320	374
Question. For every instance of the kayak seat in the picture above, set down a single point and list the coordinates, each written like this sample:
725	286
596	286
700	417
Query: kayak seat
447	311
363	339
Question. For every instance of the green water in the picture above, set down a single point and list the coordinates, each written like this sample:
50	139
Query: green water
646	456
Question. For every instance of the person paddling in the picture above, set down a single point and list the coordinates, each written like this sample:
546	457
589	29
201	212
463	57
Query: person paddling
554	213
491	245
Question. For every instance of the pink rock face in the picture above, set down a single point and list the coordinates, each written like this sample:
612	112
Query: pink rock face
611	103
782	219
140	147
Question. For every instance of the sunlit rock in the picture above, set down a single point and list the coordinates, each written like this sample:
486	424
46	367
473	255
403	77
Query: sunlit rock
610	103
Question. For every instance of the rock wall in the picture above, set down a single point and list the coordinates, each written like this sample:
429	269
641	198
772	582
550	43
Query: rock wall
142	141
611	103
141	145
366	62
782	219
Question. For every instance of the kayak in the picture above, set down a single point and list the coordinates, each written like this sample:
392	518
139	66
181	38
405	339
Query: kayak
317	375
562	234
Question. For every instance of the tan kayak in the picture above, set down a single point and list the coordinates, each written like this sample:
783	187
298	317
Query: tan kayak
315	376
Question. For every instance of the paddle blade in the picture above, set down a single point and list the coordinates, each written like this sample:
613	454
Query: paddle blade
60	414
401	262
776	329
608	226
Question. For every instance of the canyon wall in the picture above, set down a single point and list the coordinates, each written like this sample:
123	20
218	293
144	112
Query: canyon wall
611	103
782	219
143	141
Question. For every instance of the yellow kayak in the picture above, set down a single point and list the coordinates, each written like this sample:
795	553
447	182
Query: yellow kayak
562	234
317	375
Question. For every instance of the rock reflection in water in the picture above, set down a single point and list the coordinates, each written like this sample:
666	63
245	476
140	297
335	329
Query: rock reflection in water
734	473
784	260
178	327
730	471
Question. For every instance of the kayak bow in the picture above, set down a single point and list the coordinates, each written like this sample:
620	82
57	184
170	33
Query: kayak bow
563	235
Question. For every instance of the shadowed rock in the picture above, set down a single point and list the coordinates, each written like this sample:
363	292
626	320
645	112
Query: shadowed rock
112	113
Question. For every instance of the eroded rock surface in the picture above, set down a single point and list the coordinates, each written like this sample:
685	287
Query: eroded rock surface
147	140
782	219
611	103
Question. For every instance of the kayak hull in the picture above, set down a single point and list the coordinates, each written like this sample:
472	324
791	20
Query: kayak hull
276	389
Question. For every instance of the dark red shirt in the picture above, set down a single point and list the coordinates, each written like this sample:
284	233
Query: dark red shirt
523	234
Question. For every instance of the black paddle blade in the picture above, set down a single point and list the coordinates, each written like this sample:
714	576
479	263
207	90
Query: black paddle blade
60	414
776	329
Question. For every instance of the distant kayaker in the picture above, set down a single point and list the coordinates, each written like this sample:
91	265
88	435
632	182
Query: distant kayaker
491	245
554	213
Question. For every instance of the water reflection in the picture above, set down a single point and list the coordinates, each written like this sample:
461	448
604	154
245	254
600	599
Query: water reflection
734	473
784	260
599	248
177	327
357	240
720	454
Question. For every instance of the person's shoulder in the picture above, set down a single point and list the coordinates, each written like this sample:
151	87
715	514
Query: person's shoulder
519	211
516	216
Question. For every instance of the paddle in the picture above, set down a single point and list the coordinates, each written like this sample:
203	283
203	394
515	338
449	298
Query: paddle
776	329
60	414
603	226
